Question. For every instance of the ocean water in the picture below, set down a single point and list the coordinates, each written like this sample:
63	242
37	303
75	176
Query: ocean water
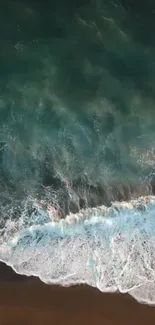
77	143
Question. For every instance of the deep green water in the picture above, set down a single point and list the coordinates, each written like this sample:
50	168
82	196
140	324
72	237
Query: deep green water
77	96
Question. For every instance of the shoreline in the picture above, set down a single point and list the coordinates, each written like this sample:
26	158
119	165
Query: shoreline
26	301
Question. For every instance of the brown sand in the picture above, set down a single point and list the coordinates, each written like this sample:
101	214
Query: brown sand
27	301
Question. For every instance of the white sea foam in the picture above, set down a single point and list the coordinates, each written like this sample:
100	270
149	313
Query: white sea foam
112	249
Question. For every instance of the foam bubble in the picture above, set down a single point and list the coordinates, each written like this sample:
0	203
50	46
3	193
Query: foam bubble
112	249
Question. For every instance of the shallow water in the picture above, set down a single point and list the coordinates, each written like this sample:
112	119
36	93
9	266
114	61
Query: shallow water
108	248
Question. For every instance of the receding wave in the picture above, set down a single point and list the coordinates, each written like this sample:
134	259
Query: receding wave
112	248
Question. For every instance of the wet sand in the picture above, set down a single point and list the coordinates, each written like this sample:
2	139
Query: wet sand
26	301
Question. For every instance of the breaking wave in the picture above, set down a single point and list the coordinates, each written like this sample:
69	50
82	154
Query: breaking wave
111	248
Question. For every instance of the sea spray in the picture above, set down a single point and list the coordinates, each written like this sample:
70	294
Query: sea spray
112	249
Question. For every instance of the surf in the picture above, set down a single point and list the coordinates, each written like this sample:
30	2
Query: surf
111	248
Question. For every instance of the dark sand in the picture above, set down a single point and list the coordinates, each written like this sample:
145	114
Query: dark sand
26	301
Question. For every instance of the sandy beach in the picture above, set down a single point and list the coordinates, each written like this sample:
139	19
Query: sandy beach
27	301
